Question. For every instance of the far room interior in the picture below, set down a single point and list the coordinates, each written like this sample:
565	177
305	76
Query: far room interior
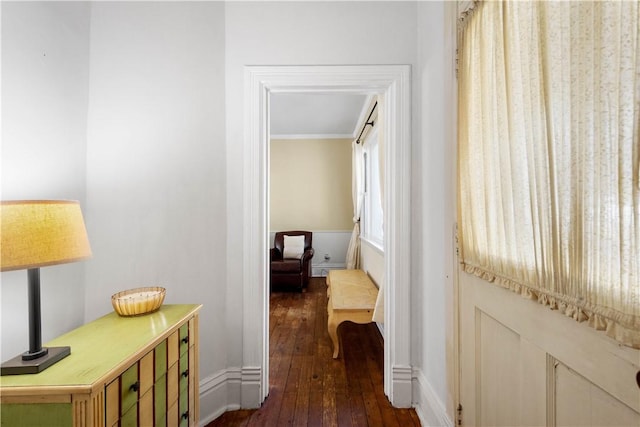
317	141
311	174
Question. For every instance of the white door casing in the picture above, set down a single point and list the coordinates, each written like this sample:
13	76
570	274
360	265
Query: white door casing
392	83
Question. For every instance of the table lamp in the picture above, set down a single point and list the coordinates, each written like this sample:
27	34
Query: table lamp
34	234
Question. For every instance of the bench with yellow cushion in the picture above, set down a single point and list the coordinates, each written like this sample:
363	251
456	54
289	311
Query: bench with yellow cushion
352	296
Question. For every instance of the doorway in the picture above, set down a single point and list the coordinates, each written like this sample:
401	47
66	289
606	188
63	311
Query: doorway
392	84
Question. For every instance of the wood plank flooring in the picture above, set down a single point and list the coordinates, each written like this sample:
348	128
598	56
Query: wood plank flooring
310	388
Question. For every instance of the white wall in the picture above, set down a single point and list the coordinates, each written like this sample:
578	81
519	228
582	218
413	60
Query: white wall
164	160
433	210
297	33
45	70
156	160
372	261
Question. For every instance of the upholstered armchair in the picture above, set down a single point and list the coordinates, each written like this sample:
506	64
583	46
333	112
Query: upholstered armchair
291	259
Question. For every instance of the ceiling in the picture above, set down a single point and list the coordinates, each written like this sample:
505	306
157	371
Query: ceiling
316	115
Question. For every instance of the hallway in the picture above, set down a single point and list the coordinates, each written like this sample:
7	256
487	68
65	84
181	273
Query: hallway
308	387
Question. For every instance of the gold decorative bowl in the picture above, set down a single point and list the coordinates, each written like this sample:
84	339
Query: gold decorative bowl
138	301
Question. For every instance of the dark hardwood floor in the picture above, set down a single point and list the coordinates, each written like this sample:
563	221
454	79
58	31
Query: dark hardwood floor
307	386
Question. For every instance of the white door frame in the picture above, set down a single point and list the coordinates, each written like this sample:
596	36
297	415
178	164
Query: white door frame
392	82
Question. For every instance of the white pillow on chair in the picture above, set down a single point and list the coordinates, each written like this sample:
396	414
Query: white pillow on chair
293	246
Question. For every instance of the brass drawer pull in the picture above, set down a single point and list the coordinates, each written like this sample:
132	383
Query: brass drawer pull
135	386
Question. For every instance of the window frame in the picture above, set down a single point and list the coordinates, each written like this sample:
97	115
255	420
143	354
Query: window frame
371	172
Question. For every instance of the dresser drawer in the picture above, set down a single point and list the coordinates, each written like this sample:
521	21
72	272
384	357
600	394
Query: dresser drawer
173	348
145	409
184	409
112	403
147	392
172	415
129	386
184	338
160	400
130	417
172	385
160	360
146	376
184	372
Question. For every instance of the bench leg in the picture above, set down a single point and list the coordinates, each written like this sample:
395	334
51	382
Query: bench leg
332	327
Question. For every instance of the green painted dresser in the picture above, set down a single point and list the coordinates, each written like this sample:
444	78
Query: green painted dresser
123	371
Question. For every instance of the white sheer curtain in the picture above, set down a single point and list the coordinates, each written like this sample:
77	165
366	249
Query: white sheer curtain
357	193
549	124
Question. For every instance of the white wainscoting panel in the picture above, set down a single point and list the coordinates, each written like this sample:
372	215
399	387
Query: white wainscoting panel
599	408
525	365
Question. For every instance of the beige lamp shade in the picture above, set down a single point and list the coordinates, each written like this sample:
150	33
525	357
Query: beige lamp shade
37	233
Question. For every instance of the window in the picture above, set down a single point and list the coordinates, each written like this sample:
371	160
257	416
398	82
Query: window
549	199
371	216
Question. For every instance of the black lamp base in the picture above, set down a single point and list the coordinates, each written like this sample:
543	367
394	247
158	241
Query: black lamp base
18	366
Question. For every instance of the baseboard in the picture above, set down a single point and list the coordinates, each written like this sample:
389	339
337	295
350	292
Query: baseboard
229	390
250	389
219	393
321	269
428	406
401	386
